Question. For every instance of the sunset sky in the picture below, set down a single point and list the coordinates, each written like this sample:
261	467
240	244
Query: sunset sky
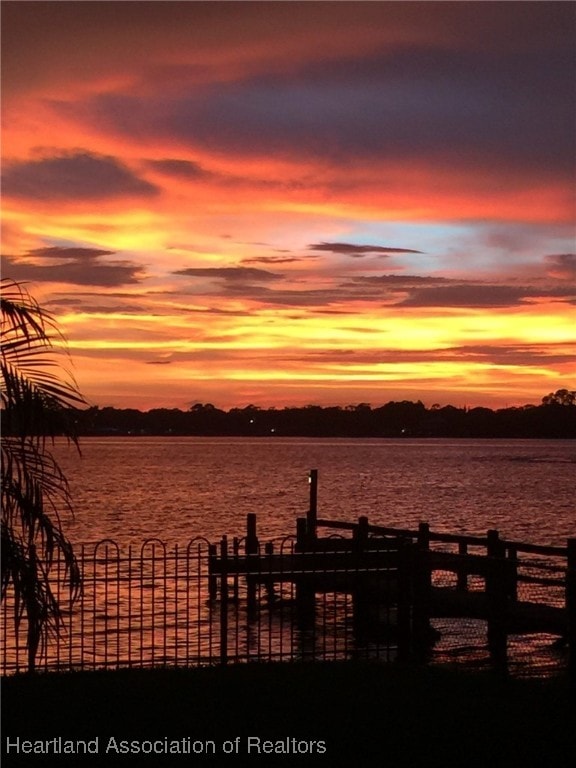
291	203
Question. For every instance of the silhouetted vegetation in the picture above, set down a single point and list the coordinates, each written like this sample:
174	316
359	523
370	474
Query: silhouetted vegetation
38	402
555	417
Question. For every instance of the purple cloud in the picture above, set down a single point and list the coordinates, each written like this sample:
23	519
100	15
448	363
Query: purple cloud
232	274
79	266
274	259
482	295
80	175
562	266
350	249
184	169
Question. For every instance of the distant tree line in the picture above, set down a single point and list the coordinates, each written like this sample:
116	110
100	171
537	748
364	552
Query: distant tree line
555	417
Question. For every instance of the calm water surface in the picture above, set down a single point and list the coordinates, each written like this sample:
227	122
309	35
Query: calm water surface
131	488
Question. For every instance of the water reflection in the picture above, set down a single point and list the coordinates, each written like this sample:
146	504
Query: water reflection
133	488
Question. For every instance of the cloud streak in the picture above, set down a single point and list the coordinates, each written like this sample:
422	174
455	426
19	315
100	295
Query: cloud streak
73	176
80	266
350	249
230	274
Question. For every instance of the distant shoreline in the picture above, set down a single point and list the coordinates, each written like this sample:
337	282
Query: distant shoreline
554	419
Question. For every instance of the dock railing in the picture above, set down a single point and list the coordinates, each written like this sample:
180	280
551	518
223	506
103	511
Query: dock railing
525	585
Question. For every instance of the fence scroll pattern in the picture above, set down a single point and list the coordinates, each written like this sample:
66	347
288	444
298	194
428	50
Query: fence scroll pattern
151	606
142	607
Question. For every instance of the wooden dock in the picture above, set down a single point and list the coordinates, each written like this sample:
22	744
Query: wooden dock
516	587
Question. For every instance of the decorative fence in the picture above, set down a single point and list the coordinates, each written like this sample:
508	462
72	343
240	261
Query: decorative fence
384	593
150	606
142	607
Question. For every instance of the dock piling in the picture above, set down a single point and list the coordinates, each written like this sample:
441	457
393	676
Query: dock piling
496	593
571	611
512	563
269	584
462	575
251	537
422	592
212	579
312	515
224	601
360	533
404	616
251	548
301	533
305	595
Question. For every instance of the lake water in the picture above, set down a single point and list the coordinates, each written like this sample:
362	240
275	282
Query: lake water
132	488
140	607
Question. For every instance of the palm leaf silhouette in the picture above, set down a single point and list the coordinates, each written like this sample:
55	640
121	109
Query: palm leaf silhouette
38	401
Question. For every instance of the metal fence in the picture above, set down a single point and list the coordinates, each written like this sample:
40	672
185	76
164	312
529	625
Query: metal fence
200	604
151	606
142	607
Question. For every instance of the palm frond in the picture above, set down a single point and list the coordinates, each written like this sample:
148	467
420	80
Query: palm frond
38	396
31	342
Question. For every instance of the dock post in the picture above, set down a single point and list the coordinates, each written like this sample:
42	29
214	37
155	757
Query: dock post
305	595
224	602
251	548
571	611
496	593
422	592
212	579
312	515
360	533
269	550
462	575
251	537
404	627
512	563
360	594
305	602
235	553
301	533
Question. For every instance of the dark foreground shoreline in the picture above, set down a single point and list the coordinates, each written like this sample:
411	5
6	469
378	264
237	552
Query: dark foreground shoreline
329	715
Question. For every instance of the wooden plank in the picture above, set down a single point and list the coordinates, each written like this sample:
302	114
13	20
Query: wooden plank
523	617
300	563
527	617
459	538
338	544
449	538
384	530
537	549
476	565
445	538
338	524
